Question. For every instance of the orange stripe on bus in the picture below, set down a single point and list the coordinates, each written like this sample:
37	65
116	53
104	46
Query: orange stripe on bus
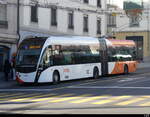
119	67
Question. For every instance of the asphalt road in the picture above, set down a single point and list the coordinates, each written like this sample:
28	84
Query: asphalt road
118	94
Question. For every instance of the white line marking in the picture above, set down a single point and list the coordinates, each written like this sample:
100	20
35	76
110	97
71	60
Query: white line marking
131	79
25	90
72	87
113	87
128	83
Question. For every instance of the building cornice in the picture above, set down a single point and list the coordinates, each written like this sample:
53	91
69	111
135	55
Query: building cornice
7	41
9	36
47	32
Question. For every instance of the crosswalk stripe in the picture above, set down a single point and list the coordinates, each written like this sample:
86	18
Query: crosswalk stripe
76	99
53	96
28	98
112	99
145	104
1	94
43	99
6	95
11	96
70	98
16	97
59	96
131	101
88	99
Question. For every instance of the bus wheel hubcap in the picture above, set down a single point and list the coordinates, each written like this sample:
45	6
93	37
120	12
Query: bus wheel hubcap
55	78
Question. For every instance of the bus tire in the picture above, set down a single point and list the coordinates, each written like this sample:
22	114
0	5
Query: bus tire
56	77
126	70
95	73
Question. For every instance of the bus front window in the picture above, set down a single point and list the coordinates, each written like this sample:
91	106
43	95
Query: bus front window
28	54
29	51
28	57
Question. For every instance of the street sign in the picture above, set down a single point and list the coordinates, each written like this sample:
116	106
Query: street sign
132	4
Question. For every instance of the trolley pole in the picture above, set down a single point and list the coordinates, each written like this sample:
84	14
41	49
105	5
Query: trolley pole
148	29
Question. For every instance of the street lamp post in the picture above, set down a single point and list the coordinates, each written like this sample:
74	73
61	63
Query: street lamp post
148	28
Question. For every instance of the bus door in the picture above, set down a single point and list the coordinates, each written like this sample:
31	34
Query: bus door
103	57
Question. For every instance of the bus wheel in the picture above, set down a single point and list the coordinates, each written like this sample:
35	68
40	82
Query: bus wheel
56	77
126	71
95	73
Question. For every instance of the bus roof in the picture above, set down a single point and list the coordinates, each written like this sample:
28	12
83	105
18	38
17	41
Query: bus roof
117	42
71	40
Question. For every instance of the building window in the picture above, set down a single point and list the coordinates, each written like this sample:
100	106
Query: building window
99	3
3	16
111	20
53	16
86	1
85	23
134	21
70	20
34	13
98	26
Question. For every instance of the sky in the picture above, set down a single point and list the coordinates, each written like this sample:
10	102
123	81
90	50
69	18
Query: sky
120	2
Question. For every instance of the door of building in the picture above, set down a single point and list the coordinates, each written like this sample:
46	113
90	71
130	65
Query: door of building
1	62
4	54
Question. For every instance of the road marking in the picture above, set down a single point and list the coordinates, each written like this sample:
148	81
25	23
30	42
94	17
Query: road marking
74	87
145	104
131	101
112	87
52	97
16	97
60	96
70	98
1	94
6	95
88	99
7	98
127	83
28	98
25	90
130	79
111	99
97	81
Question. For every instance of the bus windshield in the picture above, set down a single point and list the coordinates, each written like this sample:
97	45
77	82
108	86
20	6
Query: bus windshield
28	57
29	52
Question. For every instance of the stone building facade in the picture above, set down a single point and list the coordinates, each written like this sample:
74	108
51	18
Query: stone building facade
8	30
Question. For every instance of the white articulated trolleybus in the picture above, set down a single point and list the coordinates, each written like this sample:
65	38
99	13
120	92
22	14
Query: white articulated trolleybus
58	58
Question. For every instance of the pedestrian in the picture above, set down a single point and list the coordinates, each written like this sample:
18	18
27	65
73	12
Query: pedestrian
7	69
13	68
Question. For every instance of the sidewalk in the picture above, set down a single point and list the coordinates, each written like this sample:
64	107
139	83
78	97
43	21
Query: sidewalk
3	83
143	65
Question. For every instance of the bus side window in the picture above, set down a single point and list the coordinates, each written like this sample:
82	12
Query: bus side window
46	59
112	55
